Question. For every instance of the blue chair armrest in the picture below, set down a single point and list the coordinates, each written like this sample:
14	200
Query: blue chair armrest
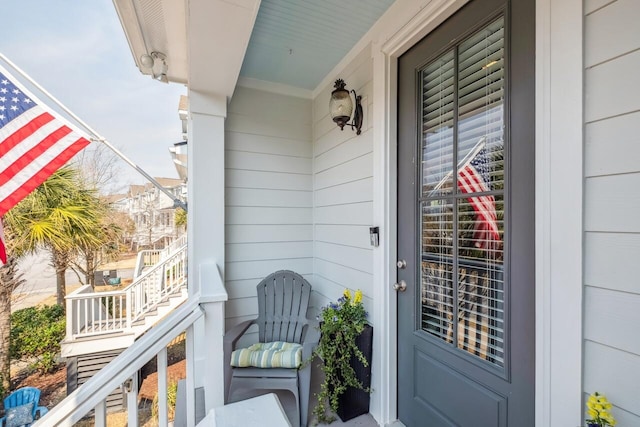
2	421
41	410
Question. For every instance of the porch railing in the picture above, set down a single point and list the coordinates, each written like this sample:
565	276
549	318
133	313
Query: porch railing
204	368
150	257
122	372
92	313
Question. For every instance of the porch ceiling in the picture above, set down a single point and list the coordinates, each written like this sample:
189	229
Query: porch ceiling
297	42
208	44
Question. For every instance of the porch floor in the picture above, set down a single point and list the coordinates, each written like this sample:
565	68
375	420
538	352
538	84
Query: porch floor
289	405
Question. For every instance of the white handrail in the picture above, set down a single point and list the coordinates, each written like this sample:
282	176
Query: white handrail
158	282
150	257
75	406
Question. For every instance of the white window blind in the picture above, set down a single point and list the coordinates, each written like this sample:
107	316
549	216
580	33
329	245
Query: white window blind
462	197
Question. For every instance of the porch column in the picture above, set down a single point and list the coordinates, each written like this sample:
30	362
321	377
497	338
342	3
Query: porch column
205	221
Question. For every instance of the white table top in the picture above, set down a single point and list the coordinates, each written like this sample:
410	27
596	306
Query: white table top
260	411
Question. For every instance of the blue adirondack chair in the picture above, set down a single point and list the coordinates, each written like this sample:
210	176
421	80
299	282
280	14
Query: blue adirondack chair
24	396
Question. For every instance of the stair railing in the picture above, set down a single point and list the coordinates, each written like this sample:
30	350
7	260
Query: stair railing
122	372
150	257
155	284
94	313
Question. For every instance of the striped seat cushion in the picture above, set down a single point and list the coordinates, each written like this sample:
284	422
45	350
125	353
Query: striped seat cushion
277	354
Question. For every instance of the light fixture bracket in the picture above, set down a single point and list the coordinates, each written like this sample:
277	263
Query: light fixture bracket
156	62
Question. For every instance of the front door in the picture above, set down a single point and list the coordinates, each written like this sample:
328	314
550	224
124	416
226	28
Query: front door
466	220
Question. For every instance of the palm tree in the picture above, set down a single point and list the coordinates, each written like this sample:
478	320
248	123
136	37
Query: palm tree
105	246
59	216
10	279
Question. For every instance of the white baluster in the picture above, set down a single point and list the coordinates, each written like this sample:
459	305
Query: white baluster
100	416
162	388
190	381
132	400
86	316
129	307
100	314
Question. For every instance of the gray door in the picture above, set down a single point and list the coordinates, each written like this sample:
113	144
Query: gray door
466	220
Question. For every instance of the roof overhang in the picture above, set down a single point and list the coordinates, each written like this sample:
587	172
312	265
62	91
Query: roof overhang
204	41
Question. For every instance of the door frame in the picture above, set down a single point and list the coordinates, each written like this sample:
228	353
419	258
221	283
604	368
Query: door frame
559	200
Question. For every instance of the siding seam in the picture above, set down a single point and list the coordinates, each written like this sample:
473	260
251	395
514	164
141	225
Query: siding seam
618	349
601	119
601	7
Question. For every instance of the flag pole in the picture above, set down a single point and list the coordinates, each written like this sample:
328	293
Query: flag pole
96	136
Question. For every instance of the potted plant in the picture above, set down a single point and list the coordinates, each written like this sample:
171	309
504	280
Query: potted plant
345	348
598	408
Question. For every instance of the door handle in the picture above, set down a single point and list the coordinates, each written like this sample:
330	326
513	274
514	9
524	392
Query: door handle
401	286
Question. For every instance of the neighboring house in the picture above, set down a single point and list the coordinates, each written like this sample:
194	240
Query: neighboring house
179	149
152	212
538	97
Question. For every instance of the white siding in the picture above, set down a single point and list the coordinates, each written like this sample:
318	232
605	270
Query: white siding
343	193
268	194
612	230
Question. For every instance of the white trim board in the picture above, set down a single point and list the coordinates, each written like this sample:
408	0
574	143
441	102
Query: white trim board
559	212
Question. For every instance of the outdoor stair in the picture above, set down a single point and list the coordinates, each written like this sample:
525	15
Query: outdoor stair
104	321
163	308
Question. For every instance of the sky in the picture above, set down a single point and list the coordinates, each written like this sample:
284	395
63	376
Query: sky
76	50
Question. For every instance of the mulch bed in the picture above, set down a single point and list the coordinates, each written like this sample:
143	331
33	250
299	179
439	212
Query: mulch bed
53	387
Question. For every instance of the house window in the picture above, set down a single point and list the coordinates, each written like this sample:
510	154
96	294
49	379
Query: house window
462	196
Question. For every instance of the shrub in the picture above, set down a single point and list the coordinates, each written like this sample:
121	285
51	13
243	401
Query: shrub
172	393
36	332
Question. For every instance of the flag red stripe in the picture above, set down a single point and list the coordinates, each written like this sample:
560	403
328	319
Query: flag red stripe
32	155
488	218
490	222
42	175
3	250
18	136
471	182
490	203
484	206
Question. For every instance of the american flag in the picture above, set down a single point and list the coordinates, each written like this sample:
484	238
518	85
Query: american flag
473	177
34	142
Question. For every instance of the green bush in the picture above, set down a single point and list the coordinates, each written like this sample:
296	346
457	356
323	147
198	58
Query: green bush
36	332
172	393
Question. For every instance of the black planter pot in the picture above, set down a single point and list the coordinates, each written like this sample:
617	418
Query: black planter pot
354	402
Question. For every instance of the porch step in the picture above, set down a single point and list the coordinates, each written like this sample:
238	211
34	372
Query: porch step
162	309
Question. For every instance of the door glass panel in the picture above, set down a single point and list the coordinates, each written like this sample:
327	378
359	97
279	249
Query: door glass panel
437	125
462	113
481	277
437	265
480	108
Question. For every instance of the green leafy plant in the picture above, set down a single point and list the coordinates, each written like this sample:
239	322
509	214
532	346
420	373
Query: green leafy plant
598	408
340	324
36	332
172	393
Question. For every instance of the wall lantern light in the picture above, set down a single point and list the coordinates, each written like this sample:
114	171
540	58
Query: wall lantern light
341	107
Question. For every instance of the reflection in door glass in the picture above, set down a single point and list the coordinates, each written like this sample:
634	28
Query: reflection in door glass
437	265
463	114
